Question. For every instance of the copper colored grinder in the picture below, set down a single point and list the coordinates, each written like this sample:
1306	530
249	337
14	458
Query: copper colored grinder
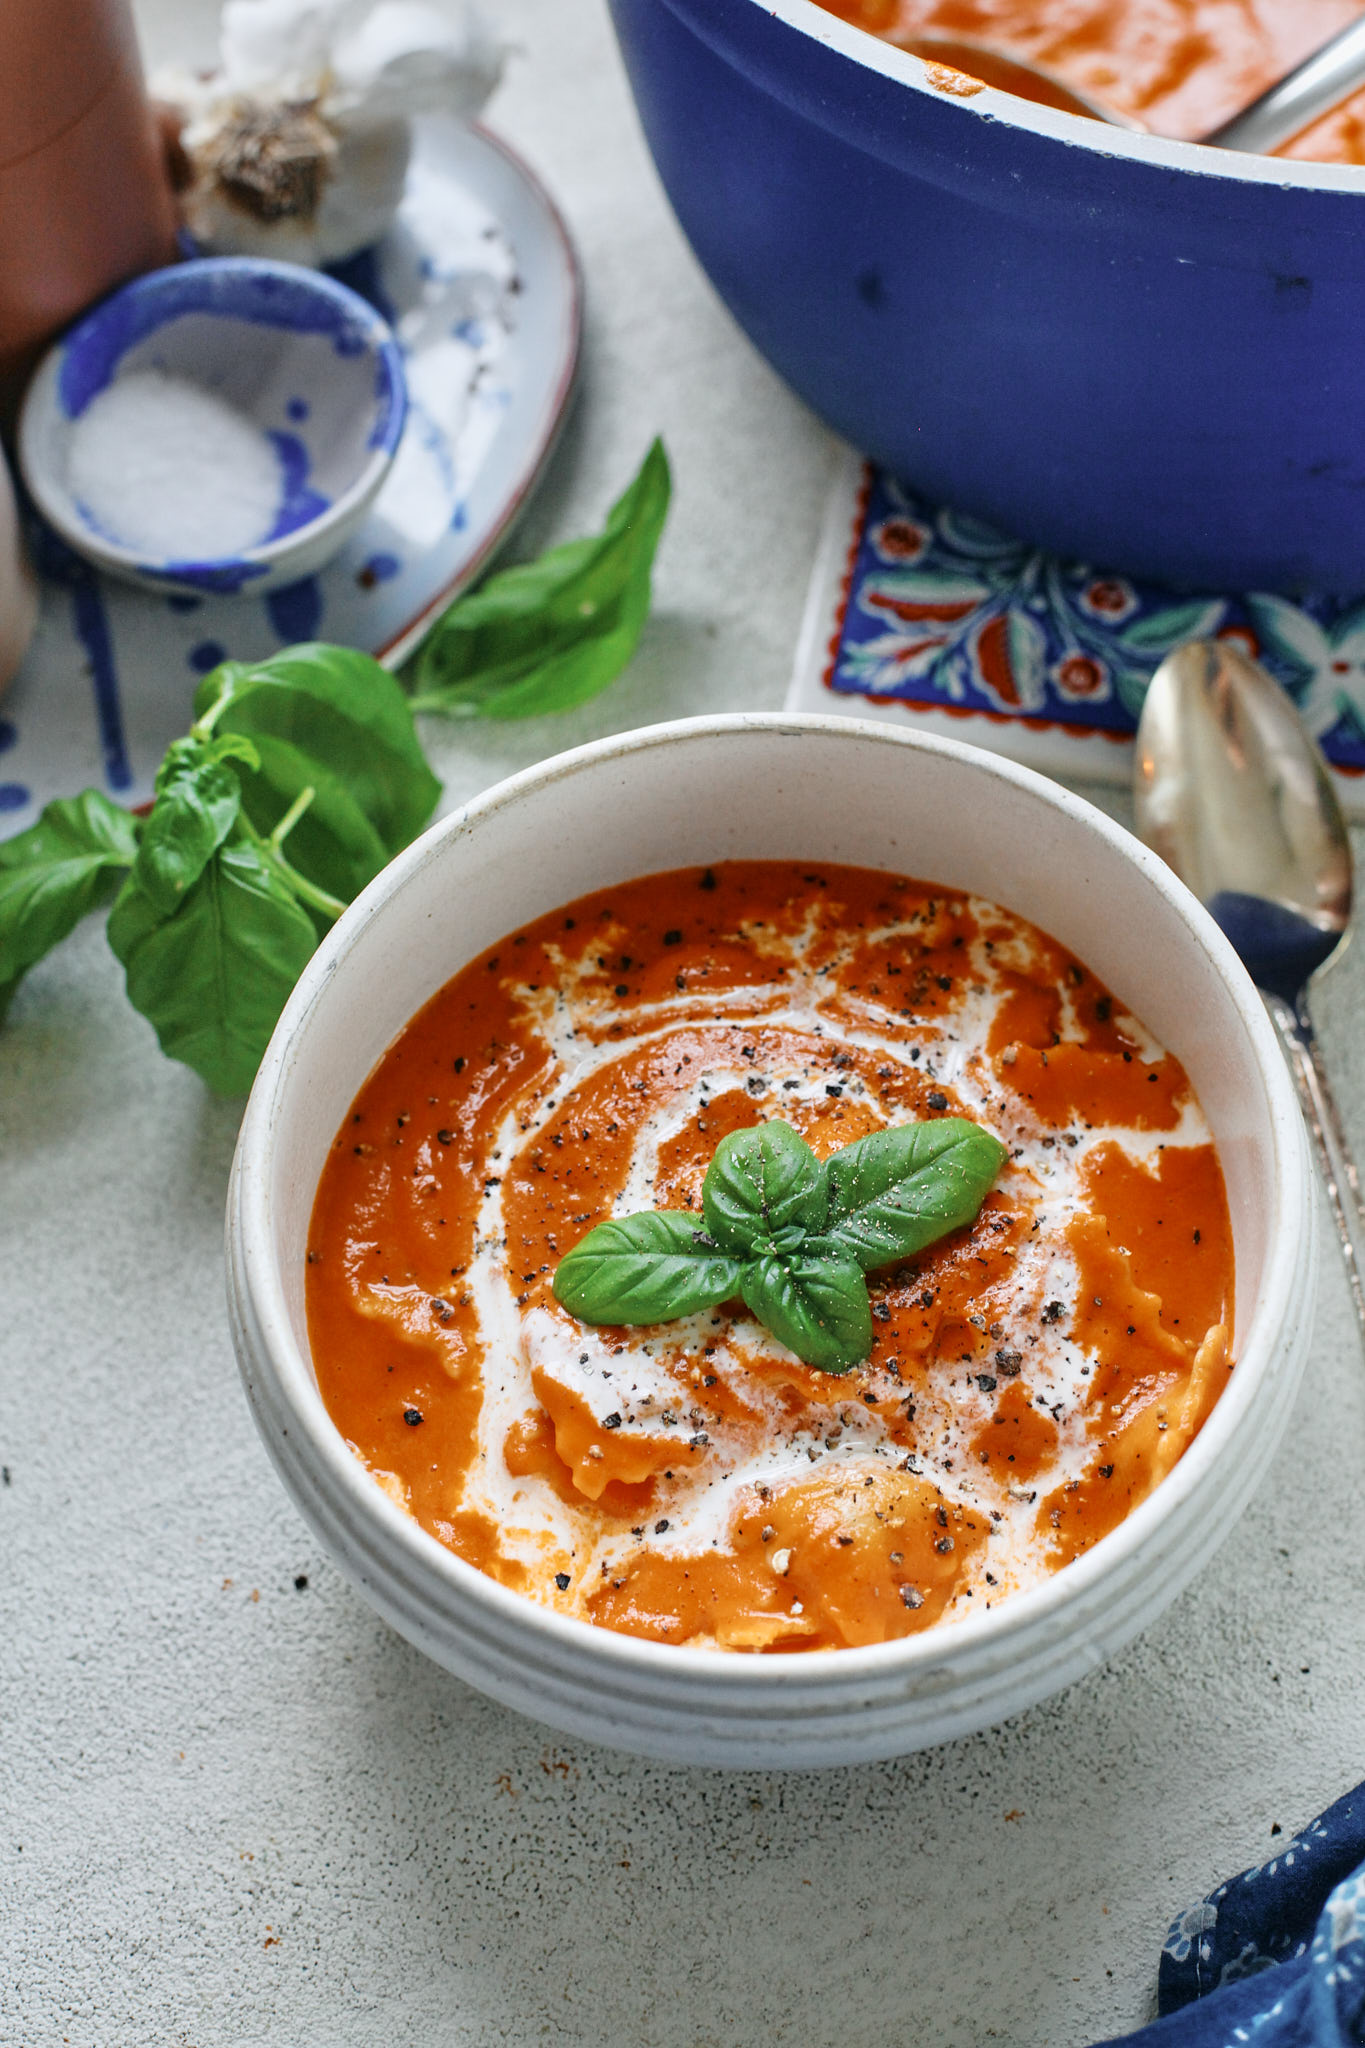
84	196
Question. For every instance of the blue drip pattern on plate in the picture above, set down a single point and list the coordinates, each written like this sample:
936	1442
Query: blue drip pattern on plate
943	611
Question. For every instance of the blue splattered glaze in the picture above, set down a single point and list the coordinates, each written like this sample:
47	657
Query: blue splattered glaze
91	622
206	656
378	569
8	735
298	409
183	601
232	287
13	796
391	403
361	274
300	504
295	609
219	579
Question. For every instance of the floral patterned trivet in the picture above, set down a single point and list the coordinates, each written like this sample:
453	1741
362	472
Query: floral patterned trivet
926	616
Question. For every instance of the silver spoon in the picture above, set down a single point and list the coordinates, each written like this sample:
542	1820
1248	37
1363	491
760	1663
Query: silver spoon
1232	793
1307	92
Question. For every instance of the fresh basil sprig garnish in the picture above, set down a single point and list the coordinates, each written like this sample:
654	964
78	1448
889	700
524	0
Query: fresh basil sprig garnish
792	1236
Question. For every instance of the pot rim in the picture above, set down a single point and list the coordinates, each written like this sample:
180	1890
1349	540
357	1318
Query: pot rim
279	1375
1049	124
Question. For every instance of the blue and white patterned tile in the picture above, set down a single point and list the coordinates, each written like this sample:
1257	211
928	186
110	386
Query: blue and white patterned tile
922	614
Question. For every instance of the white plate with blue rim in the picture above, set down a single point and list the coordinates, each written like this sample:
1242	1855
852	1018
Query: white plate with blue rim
480	284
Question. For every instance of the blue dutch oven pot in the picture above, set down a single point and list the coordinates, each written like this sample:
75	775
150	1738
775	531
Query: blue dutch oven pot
1146	354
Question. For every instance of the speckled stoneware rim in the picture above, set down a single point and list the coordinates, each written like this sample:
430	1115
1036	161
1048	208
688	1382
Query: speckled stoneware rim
260	295
1076	130
549	1664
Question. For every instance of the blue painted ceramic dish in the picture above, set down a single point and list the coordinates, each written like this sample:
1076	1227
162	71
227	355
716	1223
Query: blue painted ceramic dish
1122	349
304	363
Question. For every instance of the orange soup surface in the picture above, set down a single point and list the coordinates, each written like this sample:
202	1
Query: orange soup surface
1033	1376
1181	66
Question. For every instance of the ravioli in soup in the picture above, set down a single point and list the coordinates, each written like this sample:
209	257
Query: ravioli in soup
1030	1377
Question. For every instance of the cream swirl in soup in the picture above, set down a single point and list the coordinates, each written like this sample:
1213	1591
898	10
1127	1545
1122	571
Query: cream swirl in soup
1032	1377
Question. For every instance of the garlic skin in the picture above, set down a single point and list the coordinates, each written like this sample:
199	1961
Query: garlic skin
297	145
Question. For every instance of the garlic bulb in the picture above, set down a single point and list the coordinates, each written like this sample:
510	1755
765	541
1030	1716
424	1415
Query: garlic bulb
297	145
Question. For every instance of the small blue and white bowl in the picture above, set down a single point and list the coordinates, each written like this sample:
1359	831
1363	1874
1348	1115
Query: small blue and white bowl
220	426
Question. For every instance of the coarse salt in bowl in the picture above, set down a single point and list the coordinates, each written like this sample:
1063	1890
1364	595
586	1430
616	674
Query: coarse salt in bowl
766	786
219	426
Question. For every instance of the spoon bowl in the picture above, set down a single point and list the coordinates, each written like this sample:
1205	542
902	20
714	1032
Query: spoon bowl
1235	797
1231	791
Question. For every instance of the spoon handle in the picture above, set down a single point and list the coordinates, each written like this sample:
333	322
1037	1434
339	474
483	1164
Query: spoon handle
1312	89
1323	1117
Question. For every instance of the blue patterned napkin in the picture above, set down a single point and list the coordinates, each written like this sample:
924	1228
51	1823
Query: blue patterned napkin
1275	1957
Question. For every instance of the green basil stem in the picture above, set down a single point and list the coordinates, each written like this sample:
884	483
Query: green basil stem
203	726
272	849
291	817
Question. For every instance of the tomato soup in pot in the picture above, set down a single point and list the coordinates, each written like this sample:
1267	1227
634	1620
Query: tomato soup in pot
1180	66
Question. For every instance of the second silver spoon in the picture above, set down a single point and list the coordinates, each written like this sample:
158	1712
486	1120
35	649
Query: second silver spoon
1231	791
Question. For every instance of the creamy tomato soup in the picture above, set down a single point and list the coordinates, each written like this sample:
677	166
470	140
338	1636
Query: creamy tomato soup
1032	1376
1181	66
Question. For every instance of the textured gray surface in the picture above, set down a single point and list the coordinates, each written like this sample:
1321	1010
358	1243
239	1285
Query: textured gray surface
234	1810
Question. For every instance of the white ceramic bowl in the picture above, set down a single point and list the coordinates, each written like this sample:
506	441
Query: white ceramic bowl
822	789
312	374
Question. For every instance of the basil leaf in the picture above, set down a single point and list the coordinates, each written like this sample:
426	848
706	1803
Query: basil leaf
550	634
198	798
901	1189
814	1303
333	843
644	1269
52	874
213	977
763	1185
341	712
